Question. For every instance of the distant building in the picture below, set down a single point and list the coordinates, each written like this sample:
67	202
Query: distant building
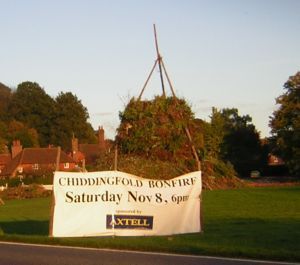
34	161
274	160
89	153
4	160
38	161
276	166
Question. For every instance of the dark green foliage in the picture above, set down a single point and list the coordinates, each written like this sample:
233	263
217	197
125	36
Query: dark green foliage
213	135
71	119
234	138
3	137
243	149
12	130
27	136
156	130
36	119
38	178
285	124
31	105
5	97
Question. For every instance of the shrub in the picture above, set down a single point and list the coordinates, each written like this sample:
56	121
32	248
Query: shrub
155	128
25	192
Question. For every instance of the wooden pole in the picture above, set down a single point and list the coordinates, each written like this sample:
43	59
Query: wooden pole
201	214
53	197
149	76
57	158
161	62
169	80
187	131
159	59
116	158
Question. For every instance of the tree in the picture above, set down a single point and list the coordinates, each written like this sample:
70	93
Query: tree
214	134
5	96
3	137
285	124
18	131
71	119
234	138
31	105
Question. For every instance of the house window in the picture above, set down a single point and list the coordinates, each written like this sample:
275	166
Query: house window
35	166
66	165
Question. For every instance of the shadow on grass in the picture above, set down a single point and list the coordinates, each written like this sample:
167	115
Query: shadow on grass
28	227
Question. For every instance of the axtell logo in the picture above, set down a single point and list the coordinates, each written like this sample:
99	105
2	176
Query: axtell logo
129	222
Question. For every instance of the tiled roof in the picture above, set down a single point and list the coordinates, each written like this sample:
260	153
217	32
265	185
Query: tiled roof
12	166
36	156
90	151
89	148
43	156
4	159
78	156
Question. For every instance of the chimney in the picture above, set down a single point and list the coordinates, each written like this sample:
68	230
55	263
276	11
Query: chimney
101	140
16	148
74	144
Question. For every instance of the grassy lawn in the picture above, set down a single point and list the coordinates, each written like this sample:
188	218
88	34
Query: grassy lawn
261	223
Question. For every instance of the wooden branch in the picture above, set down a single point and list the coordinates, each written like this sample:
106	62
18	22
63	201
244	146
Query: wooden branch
140	96
169	80
159	59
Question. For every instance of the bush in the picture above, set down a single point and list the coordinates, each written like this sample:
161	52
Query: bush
14	182
25	192
141	166
154	144
43	179
155	128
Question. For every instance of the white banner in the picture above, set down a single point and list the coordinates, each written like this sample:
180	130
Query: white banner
116	203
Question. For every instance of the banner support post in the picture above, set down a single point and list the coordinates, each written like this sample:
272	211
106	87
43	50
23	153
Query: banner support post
116	158
53	198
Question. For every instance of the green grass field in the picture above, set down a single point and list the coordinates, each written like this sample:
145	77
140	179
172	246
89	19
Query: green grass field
262	223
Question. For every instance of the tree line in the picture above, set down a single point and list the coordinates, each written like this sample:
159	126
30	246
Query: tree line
28	113
227	142
236	139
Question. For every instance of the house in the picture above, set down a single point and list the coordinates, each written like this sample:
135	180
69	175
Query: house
89	153
4	160
276	166
274	160
34	161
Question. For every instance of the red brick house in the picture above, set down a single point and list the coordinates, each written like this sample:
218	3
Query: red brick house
4	160
275	160
89	153
34	161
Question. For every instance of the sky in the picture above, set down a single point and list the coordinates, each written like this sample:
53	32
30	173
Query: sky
218	53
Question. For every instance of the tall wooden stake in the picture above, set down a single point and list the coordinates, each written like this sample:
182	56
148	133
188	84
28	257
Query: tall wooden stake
149	76
162	69
116	158
53	198
159	59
